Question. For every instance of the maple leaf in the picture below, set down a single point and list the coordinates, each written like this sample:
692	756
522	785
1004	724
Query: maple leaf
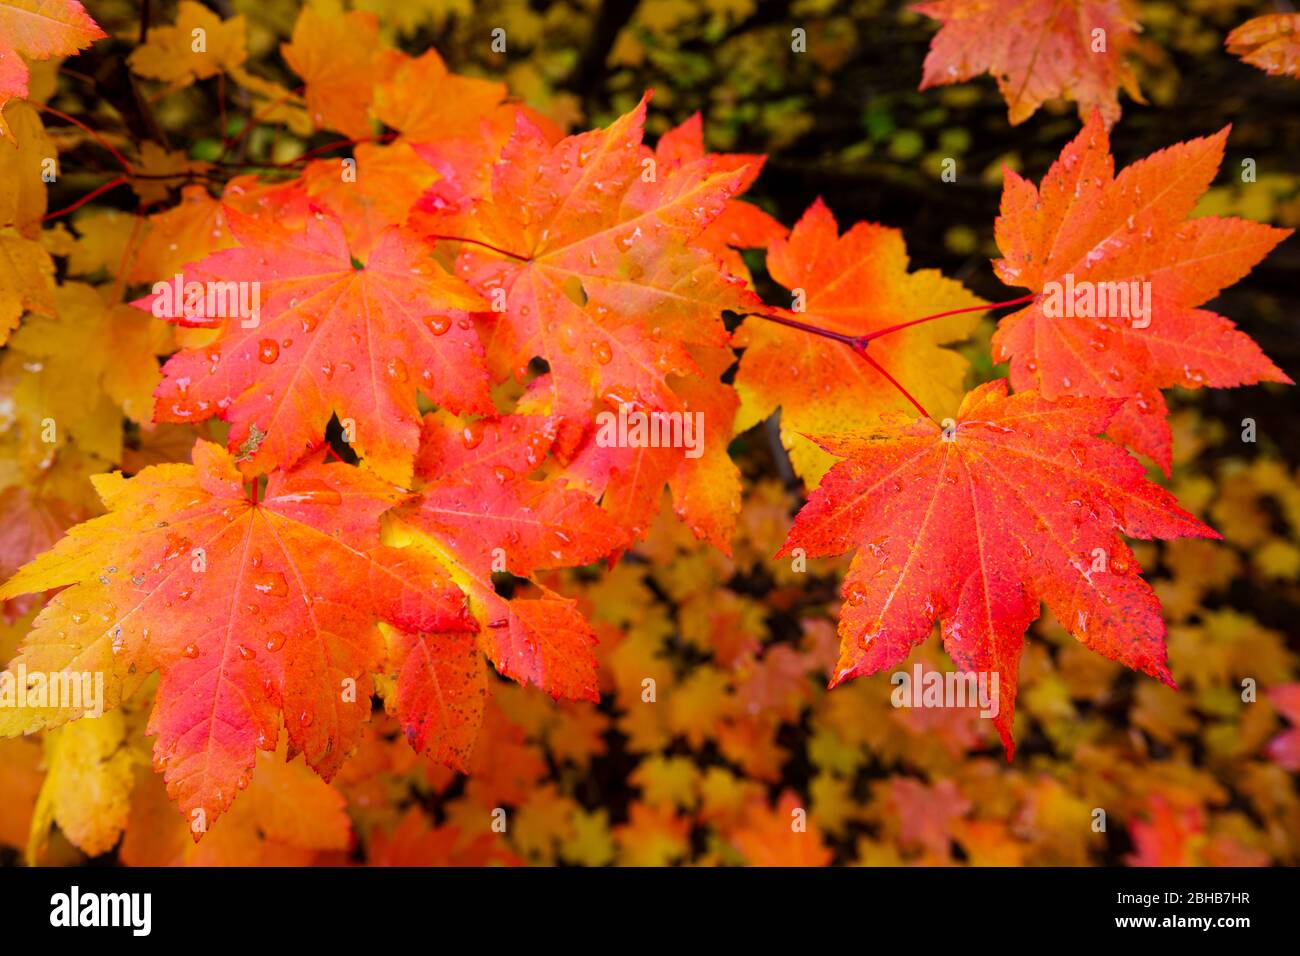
853	284
26	271
667	782
478	512
629	478
1037	50
597	269
1013	509
333	335
1284	749
248	609
285	817
168	53
24	153
50	360
653	837
769	838
87	788
593	842
1270	42
38	29
425	101
925	815
740	225
340	59
1086	225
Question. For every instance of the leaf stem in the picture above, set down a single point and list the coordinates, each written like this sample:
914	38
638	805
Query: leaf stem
485	245
111	184
859	342
849	340
893	381
940	315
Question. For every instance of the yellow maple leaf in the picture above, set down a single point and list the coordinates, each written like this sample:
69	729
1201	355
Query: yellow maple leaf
103	236
27	158
667	782
87	788
20	782
26	271
592	843
198	46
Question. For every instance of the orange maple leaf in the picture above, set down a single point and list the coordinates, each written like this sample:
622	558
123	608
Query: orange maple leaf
775	836
248	609
854	284
420	97
1270	42
1125	240
1037	50
589	255
340	59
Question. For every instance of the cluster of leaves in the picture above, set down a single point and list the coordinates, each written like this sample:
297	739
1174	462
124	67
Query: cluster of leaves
413	449
743	735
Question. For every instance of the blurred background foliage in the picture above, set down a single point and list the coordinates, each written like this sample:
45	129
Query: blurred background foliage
745	732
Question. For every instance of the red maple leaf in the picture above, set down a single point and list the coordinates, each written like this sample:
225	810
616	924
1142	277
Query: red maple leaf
480	513
334	336
38	30
973	525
